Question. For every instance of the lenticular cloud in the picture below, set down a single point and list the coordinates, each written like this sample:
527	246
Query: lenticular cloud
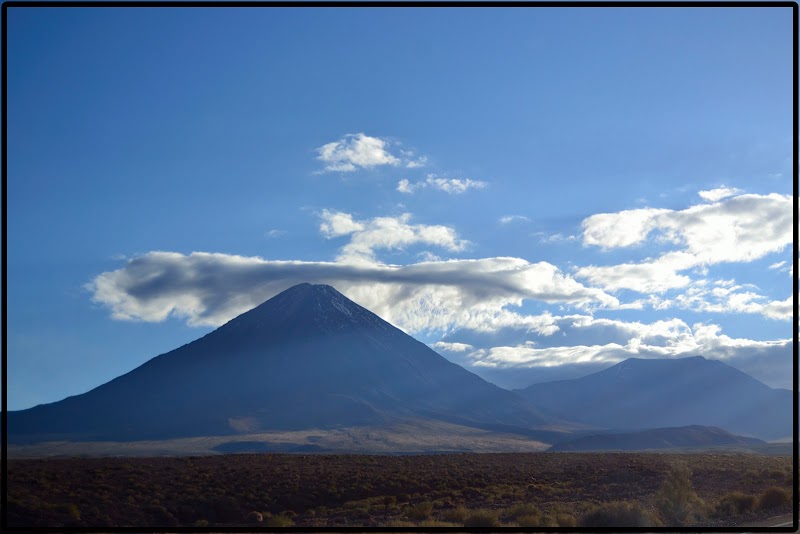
208	289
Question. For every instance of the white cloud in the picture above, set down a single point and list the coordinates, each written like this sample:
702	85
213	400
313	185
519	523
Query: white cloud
740	229
648	277
714	195
513	218
743	228
622	229
355	151
453	186
452	347
337	223
777	265
404	186
386	233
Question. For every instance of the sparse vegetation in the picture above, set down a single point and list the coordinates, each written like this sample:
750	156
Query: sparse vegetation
481	518
617	514
735	503
774	497
278	521
494	490
455	515
676	500
420	511
255	517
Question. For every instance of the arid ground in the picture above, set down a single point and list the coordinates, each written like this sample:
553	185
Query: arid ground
509	489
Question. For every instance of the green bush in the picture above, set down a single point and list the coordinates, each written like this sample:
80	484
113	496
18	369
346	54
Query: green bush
735	503
201	523
617	514
774	497
676	500
481	518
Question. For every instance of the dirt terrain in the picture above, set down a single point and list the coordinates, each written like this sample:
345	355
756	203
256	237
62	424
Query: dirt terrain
526	489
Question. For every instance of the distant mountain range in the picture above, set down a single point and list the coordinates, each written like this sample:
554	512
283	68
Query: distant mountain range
687	437
638	394
309	359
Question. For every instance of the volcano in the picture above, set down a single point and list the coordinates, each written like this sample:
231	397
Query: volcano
307	358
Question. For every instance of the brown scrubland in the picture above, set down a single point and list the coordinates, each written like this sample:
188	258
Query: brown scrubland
447	490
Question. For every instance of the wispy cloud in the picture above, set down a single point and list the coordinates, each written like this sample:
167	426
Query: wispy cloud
554	238
412	161
452	347
453	186
274	232
506	219
714	195
404	186
672	338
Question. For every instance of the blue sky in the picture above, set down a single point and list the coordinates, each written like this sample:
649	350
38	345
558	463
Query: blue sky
526	190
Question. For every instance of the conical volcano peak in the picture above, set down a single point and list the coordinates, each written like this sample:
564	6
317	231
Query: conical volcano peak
308	308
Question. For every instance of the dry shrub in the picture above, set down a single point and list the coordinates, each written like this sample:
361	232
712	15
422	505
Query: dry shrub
522	510
278	521
436	523
735	503
676	501
455	515
566	520
400	524
255	517
481	518
420	511
774	497
528	520
617	514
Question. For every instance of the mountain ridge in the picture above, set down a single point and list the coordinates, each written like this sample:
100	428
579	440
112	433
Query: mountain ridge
648	393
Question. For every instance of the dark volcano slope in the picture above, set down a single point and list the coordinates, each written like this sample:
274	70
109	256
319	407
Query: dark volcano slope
307	358
638	393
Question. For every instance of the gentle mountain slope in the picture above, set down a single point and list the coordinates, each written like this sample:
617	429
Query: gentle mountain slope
640	393
416	436
307	358
687	437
